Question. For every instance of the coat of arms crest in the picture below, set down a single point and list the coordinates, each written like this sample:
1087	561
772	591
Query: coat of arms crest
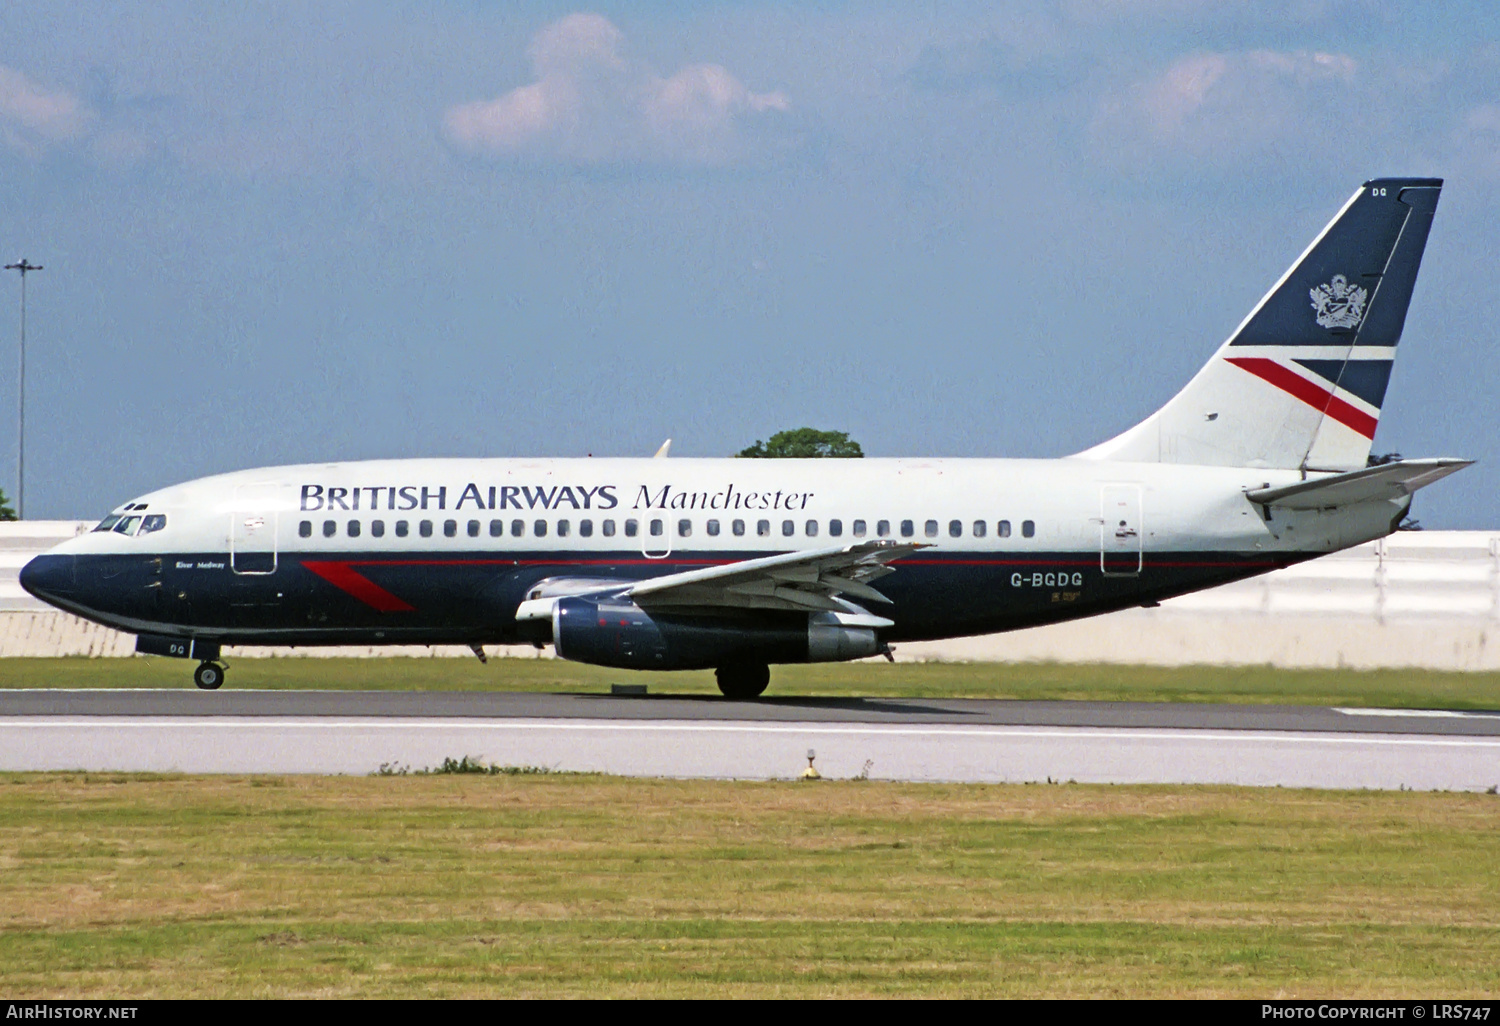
1339	304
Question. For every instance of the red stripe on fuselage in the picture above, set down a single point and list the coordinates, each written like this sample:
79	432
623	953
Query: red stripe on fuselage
1318	398
343	577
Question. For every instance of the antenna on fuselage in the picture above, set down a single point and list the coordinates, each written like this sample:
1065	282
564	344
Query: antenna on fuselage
664	451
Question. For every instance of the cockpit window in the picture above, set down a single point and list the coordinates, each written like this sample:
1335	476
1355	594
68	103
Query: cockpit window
154	522
127	525
108	522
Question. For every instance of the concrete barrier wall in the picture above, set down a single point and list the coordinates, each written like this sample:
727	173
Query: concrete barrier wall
1426	599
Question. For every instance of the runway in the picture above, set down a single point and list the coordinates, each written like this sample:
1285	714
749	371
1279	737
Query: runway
965	740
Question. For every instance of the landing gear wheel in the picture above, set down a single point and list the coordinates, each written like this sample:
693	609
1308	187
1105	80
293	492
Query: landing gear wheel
743	680
208	676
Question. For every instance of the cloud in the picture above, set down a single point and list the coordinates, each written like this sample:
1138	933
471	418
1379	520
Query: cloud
34	118
593	104
1229	108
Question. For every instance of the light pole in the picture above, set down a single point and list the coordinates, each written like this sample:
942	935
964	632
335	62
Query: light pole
23	267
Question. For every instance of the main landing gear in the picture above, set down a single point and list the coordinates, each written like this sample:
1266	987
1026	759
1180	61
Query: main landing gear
208	675
743	680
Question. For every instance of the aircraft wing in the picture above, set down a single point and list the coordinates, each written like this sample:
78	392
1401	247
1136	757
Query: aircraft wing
1389	481
796	581
823	580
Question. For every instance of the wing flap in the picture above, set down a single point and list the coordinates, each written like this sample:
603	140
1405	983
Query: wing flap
798	581
1390	481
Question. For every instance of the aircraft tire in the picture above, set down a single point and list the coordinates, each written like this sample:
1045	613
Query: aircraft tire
743	680
208	676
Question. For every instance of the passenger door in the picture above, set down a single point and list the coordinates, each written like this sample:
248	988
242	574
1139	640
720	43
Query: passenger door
252	532
1120	530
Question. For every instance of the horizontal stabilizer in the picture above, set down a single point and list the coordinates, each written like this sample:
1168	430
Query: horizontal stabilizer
1372	484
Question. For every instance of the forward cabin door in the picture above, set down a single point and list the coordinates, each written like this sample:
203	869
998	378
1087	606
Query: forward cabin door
1120	530
252	532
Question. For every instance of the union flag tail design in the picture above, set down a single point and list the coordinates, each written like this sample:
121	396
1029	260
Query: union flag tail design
1301	381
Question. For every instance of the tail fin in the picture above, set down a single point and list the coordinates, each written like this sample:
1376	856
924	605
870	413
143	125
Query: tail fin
1300	382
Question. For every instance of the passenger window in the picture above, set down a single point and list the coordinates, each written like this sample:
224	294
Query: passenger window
835	528
609	528
563	527
425	528
128	525
1004	529
473	529
632	528
402	530
377	528
155	522
738	528
763	528
955	529
539	528
788	528
980	528
330	528
930	528
657	528
859	529
517	528
353	528
304	529
1028	529
811	527
684	528
907	529
883	529
497	528
450	528
585	528
713	528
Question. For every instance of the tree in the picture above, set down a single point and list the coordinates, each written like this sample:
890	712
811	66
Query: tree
6	512
805	443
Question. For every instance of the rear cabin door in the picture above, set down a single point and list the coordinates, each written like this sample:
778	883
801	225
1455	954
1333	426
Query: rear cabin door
1120	530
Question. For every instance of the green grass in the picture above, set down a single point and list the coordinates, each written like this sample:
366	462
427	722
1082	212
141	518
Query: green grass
1252	684
555	884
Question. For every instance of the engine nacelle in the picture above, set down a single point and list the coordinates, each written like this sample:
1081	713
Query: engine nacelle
618	633
829	641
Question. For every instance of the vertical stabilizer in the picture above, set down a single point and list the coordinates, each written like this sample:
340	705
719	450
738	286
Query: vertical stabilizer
1301	381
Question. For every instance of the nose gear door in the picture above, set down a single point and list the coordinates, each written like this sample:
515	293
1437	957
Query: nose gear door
1120	530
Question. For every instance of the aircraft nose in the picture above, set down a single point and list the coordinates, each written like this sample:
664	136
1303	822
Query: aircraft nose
49	576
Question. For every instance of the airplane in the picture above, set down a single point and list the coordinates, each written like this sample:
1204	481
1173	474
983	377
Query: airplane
1261	461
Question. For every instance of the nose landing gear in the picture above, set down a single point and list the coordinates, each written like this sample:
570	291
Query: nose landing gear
210	672
208	675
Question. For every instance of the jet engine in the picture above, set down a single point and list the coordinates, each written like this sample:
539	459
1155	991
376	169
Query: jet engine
616	632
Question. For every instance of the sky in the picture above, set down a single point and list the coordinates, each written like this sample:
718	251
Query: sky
300	232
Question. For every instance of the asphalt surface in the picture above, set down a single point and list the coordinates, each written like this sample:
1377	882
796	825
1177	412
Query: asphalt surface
958	740
892	711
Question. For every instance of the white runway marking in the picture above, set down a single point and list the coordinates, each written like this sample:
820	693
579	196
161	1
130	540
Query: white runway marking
753	750
1432	714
